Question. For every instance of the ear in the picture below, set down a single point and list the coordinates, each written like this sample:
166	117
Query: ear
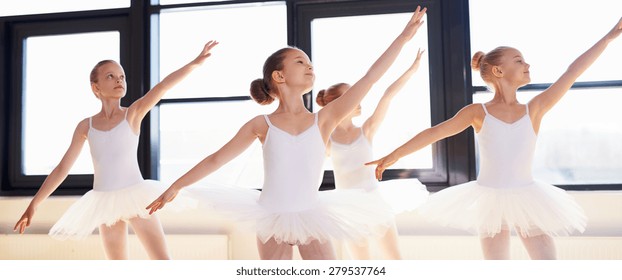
277	76
497	72
95	90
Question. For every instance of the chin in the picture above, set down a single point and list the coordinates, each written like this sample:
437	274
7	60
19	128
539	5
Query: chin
525	82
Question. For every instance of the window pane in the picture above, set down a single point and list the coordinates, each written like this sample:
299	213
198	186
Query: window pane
57	72
27	7
579	139
335	61
239	57
550	34
191	131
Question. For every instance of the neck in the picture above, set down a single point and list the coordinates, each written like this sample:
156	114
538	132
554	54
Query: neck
290	102
109	107
505	94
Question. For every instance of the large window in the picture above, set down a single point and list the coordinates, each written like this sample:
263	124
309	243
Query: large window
51	81
50	93
48	50
27	7
206	110
578	145
335	62
334	33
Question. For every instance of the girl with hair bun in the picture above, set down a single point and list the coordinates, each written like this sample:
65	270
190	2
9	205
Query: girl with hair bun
290	211
350	147
119	191
505	196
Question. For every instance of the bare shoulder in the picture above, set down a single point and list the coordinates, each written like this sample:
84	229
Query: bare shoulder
257	125
82	128
474	110
83	124
258	121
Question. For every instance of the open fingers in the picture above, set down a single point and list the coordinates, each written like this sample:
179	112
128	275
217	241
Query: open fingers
420	52
418	14
210	45
155	206
418	58
21	225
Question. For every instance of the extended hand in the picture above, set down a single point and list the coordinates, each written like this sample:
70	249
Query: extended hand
415	65
615	32
414	23
206	52
165	198
382	164
24	221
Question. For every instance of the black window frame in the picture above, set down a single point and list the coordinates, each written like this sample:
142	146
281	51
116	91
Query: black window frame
450	80
452	159
15	32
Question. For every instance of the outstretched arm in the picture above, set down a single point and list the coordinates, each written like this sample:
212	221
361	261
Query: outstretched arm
238	144
56	177
141	107
542	103
333	113
370	126
462	120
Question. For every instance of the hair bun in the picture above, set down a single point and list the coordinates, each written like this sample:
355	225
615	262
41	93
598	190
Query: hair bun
320	98
476	62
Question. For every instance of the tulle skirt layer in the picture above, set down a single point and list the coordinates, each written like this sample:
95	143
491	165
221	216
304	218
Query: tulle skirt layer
402	195
95	208
533	209
349	215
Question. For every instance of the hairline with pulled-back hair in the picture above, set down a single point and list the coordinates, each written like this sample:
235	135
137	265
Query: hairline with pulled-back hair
95	70
329	95
485	62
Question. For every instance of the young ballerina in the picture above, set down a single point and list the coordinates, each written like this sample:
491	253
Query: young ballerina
350	148
505	195
119	191
290	211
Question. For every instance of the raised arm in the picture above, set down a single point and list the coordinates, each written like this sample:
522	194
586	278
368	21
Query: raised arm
238	144
333	113
462	120
370	126
56	177
543	102
141	107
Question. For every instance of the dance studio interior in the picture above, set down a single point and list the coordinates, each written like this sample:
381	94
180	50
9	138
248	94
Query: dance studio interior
48	49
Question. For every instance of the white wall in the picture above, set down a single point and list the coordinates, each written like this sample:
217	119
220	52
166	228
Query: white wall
200	235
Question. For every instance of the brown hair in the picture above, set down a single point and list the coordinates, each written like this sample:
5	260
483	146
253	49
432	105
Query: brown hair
261	88
484	62
326	96
94	72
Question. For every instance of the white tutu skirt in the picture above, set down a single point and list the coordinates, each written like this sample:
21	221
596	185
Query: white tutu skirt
350	215
533	209
95	208
402	195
